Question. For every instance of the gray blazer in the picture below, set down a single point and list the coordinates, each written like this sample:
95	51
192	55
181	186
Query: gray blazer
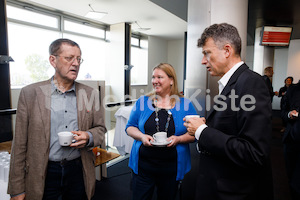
30	146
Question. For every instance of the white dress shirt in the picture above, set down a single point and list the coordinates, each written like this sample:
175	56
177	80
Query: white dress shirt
222	83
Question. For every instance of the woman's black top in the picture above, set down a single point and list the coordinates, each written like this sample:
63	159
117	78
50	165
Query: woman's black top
156	160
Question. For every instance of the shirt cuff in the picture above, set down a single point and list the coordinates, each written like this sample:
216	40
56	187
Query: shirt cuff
199	131
17	194
91	140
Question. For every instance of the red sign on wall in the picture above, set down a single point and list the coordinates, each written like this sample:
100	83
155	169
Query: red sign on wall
276	36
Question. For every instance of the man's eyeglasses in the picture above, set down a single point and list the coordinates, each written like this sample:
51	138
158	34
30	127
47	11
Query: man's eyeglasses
72	58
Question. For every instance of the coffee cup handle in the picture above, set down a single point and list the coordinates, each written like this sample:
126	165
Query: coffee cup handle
73	140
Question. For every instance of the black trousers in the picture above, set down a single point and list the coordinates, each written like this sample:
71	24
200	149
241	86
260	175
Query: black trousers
64	181
292	160
143	186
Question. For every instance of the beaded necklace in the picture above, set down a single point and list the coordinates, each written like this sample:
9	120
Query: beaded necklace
157	119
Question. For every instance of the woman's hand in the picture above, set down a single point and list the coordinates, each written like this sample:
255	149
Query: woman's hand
174	140
146	140
136	134
185	138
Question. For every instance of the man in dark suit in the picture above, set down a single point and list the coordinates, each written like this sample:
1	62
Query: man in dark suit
233	140
291	138
268	76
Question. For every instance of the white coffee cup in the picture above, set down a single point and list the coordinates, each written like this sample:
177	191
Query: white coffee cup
191	116
65	138
160	137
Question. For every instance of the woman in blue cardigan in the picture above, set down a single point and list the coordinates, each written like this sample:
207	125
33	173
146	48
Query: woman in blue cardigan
164	165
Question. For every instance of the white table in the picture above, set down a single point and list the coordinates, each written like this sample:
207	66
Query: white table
3	191
122	141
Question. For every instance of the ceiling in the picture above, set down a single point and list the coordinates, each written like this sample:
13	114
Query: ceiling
146	13
169	20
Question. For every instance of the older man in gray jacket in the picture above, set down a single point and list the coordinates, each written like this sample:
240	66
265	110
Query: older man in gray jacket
40	167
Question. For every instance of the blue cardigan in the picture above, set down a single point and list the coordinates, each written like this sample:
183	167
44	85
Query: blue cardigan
140	113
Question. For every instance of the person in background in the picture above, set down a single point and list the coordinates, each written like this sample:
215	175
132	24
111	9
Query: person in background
41	168
268	76
291	138
234	139
282	91
161	110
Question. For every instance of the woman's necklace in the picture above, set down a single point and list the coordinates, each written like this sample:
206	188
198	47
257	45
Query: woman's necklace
157	119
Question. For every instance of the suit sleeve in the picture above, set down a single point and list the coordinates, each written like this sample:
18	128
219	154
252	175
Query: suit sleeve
18	155
97	128
246	139
286	108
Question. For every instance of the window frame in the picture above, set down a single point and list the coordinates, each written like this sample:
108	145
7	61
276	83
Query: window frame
61	18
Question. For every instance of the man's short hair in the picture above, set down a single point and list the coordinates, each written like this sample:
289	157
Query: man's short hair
221	34
268	69
54	48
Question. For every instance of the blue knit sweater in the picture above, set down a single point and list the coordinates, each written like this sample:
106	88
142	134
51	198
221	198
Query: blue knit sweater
140	113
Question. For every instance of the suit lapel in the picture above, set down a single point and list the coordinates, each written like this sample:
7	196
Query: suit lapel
233	79
228	87
44	102
80	104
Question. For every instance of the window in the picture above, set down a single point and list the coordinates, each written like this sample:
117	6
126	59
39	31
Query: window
83	29
30	33
139	60
31	17
135	41
94	57
28	46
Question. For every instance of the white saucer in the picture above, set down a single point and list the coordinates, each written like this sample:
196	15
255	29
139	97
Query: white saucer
160	144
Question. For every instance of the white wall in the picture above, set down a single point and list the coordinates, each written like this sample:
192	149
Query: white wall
157	53
268	57
249	56
294	60
233	12
114	76
263	55
258	56
176	59
279	68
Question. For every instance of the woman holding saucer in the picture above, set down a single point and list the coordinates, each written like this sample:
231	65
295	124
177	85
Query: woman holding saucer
164	165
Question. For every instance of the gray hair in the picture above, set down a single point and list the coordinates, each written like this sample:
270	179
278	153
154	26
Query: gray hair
54	48
221	34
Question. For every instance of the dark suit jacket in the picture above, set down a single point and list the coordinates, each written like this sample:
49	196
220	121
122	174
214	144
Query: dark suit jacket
269	85
31	142
292	102
234	163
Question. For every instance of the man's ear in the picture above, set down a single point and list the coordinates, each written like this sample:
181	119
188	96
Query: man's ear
228	50
52	60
